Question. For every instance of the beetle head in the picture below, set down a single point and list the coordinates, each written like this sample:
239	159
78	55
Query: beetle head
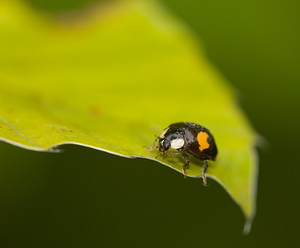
163	145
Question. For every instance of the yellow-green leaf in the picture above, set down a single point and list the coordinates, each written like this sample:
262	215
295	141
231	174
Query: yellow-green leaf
111	78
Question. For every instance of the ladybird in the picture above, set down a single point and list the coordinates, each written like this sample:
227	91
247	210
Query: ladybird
188	138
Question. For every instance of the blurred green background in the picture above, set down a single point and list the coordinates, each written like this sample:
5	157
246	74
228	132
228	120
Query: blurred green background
87	198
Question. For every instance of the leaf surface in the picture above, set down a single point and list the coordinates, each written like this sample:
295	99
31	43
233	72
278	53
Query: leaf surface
111	78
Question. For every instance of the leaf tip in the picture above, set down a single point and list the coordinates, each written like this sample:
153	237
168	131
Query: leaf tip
247	226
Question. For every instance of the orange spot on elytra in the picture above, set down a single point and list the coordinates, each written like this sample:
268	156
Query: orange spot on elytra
202	140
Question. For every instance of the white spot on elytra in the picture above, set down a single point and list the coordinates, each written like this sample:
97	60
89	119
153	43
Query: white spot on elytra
177	143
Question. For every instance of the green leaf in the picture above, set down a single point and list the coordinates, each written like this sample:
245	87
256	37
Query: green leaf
111	78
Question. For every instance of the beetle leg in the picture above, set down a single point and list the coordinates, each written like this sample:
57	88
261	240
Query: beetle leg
173	154
205	166
160	153
187	160
154	144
